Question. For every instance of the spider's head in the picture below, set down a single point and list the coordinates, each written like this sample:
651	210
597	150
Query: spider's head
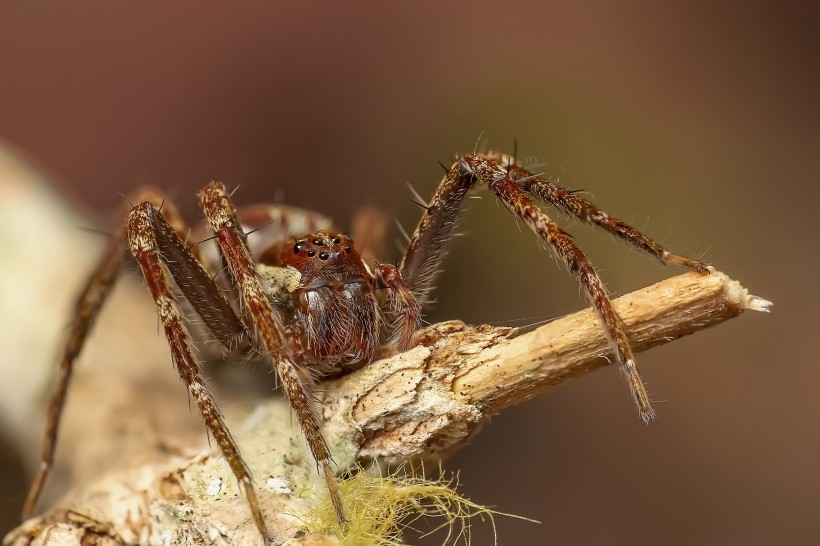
334	299
323	259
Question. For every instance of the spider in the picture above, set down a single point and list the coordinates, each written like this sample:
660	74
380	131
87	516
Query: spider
310	303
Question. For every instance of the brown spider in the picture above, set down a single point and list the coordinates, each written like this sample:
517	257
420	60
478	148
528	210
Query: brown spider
311	304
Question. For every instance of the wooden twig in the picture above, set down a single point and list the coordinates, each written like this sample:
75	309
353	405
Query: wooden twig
430	399
422	403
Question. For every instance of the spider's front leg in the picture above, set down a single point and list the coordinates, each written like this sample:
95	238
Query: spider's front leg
221	217
183	265
510	183
146	227
154	232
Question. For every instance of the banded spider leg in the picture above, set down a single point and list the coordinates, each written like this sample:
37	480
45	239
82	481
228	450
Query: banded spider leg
155	233
511	183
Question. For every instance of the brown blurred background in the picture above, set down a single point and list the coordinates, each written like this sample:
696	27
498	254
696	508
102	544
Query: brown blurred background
697	123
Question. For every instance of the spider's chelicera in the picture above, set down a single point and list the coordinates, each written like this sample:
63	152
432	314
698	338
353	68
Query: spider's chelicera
311	303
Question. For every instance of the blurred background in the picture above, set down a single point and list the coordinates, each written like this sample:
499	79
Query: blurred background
695	122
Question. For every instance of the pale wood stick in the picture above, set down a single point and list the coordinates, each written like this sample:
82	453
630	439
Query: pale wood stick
429	399
421	403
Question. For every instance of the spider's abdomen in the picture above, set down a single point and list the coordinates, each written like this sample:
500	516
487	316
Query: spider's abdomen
335	309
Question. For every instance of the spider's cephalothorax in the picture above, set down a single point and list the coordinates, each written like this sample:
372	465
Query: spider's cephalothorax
334	307
312	303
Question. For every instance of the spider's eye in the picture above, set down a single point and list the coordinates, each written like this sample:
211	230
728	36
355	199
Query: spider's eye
347	249
324	255
297	248
318	242
311	253
337	240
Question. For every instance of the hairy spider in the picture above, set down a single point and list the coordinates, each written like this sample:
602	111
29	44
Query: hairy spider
311	303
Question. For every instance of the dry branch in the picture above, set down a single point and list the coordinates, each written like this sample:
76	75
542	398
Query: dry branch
421	403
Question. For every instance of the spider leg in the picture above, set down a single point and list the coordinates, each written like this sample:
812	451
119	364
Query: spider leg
575	205
221	217
88	306
86	310
196	284
428	245
143	241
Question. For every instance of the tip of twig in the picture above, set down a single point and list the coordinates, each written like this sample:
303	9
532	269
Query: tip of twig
756	303
737	293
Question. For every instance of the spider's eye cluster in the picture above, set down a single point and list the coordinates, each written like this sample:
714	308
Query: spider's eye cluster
318	244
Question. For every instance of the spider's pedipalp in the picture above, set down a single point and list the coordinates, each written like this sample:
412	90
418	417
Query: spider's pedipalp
404	309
